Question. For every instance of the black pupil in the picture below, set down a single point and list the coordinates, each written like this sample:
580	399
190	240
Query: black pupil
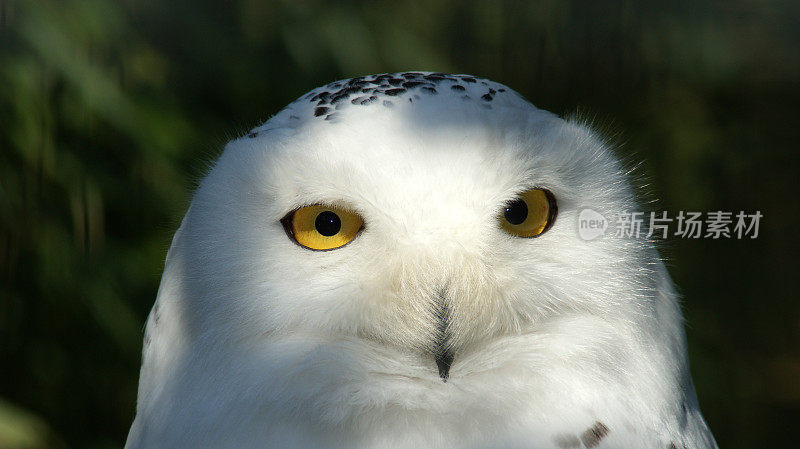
516	212
328	223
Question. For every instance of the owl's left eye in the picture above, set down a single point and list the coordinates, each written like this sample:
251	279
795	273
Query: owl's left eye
320	227
530	214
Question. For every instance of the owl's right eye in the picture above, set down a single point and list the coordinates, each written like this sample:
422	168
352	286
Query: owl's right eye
321	227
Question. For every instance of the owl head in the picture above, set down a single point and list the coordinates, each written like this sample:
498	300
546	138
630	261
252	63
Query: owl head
404	243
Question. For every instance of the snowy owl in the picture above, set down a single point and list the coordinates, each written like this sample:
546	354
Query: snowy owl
393	261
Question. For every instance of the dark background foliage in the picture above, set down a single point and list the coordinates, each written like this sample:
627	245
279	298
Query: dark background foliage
111	110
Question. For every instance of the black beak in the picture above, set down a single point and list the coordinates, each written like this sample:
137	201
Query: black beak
443	354
444	358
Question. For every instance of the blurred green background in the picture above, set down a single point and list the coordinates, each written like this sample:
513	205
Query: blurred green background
110	111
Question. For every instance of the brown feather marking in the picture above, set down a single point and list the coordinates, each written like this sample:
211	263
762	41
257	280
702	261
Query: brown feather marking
594	434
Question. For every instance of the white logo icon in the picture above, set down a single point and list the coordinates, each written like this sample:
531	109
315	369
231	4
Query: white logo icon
591	224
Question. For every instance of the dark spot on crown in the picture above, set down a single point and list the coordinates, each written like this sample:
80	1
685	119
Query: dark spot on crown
253	135
458	87
294	117
396	81
593	435
429	90
672	446
410	84
395	92
468	79
351	90
486	97
339	97
364	100
442	76
332	116
501	90
322	95
320	111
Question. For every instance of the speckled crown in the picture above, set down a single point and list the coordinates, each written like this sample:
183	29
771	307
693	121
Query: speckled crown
388	90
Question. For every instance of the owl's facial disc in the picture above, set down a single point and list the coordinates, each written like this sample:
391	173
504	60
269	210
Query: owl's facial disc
323	227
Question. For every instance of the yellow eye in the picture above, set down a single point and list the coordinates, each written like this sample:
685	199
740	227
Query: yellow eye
320	227
530	214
